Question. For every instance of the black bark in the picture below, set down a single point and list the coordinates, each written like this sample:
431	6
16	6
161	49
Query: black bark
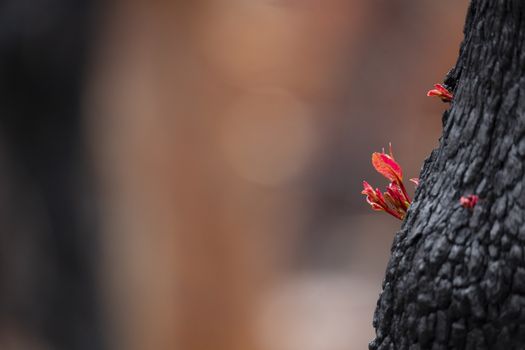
456	277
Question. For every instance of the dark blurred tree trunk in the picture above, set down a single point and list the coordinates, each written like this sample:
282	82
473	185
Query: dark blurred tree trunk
456	278
47	240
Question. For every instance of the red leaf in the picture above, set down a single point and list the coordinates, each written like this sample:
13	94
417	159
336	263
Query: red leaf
387	166
441	92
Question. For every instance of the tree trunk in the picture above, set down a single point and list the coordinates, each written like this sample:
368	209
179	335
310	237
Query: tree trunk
456	277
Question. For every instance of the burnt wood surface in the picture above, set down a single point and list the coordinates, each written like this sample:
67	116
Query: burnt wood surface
456	276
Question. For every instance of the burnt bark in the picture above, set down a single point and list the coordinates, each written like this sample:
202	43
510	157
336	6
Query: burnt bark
456	277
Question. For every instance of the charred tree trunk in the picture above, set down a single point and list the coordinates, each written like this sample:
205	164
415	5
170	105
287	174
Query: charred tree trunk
456	278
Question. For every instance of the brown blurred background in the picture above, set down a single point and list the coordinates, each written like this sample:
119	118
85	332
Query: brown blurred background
225	143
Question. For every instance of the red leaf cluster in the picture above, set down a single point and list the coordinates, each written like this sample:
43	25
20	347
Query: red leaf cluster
441	92
395	200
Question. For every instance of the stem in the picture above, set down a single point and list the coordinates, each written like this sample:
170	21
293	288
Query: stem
393	213
403	189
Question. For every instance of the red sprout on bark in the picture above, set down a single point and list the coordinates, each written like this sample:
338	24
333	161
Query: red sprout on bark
469	201
395	200
441	92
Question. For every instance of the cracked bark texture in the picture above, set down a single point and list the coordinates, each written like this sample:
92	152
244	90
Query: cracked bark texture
456	277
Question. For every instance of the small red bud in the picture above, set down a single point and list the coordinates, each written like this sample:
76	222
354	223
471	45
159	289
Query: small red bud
469	201
441	92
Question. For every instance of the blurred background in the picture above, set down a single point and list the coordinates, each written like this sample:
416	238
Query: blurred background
187	174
